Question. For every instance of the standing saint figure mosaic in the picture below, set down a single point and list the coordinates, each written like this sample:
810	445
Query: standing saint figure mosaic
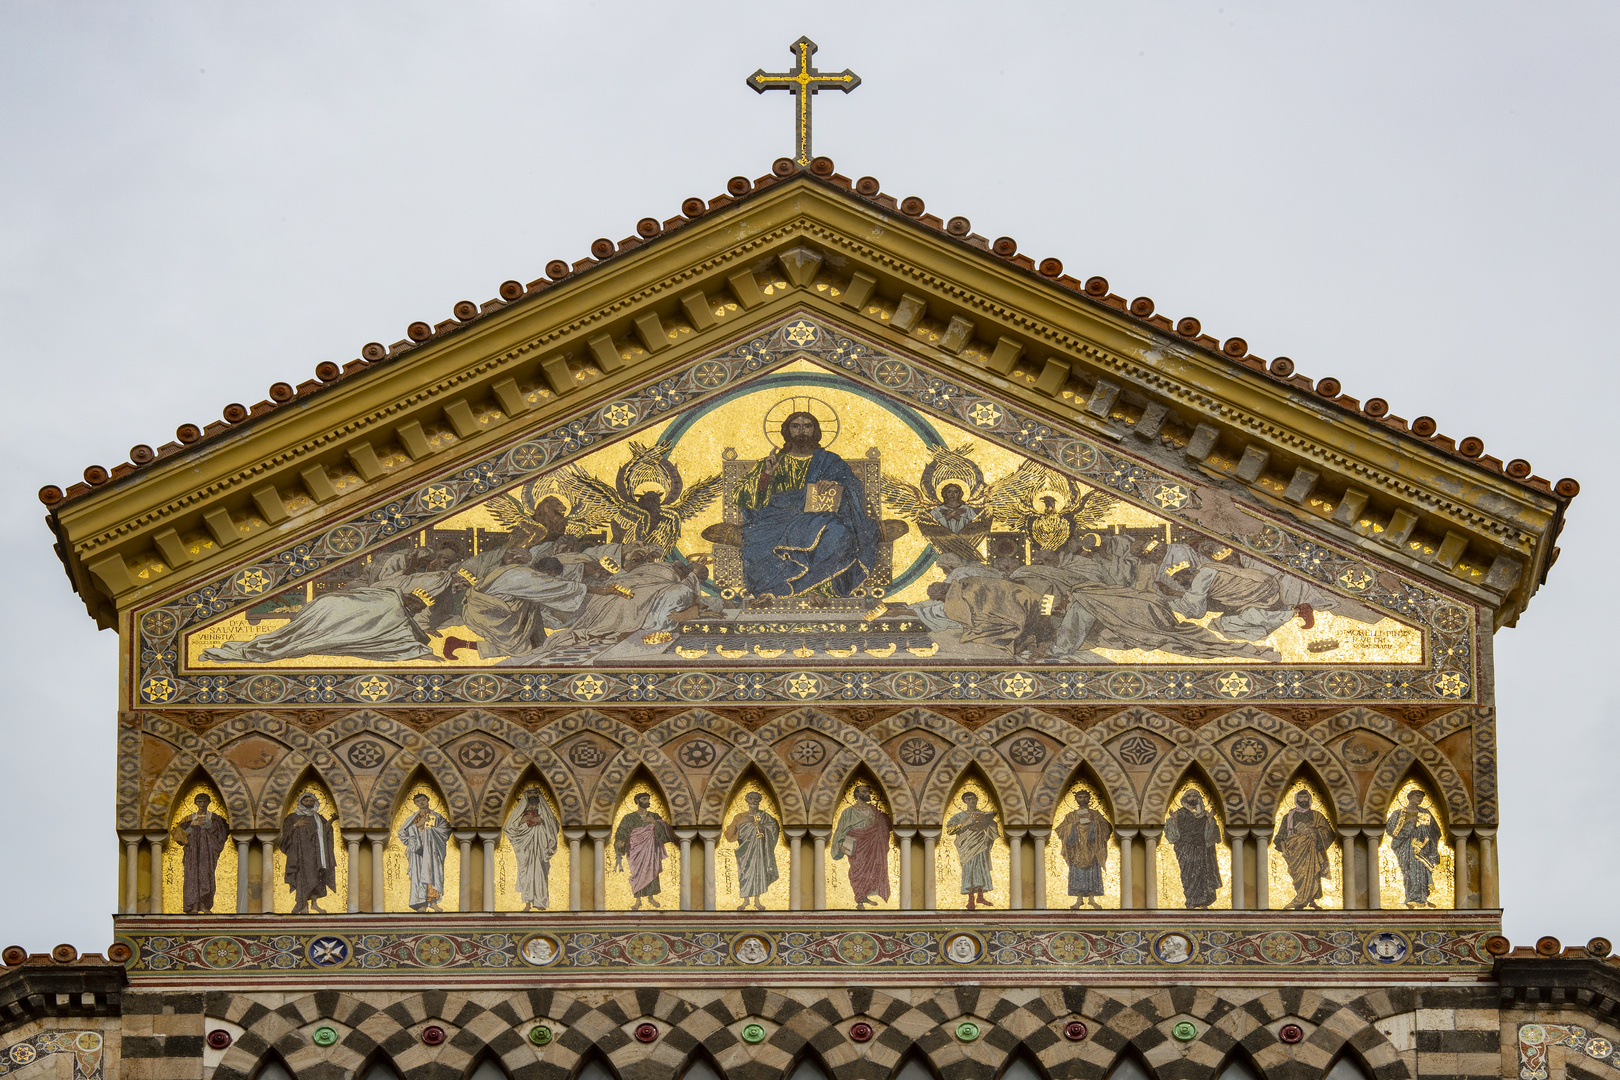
642	836
862	837
202	836
307	843
1413	834
976	832
1083	835
426	835
1305	840
532	829
1194	833
754	831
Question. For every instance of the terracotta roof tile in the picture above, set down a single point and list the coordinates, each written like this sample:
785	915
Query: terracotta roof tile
1094	289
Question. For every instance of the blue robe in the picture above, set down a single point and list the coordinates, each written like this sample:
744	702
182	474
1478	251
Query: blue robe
787	551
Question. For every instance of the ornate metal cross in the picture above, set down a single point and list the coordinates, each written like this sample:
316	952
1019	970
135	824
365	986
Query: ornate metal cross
803	82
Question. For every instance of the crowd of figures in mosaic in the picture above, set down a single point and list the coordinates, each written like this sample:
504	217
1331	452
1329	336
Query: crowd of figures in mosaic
862	528
802	808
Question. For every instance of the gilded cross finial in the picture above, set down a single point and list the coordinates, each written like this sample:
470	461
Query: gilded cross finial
803	81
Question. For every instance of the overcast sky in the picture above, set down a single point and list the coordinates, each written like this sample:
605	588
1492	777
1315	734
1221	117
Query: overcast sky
202	199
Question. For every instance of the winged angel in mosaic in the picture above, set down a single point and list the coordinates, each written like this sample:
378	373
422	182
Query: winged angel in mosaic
646	504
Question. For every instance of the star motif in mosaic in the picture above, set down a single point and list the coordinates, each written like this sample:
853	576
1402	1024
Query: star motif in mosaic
1077	455
158	690
1451	685
709	374
1356	578
1233	684
373	687
1018	685
619	414
437	497
1171	496
803	685
327	951
159	624
22	1054
910	685
252	581
801	333
985	414
588	687
528	456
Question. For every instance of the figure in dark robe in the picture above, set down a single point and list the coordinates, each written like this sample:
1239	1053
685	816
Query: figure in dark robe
1084	834
863	836
1193	831
1414	836
1304	838
805	526
641	836
202	836
754	831
306	843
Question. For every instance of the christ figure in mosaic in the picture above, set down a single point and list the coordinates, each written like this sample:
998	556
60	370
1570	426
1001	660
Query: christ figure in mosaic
1304	837
1084	834
1193	831
863	836
805	526
427	837
642	836
976	833
306	843
202	836
1415	837
532	828
754	831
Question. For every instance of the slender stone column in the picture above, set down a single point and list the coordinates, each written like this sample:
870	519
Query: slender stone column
465	838
573	836
129	903
1238	838
354	873
1352	880
709	837
1127	883
1015	868
1262	869
904	836
930	837
818	867
1460	870
599	873
1150	868
1375	881
244	843
795	868
154	841
685	837
267	871
1489	894
1038	836
490	841
379	894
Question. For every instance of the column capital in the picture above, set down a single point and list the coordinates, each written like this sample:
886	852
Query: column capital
1239	833
242	837
1152	833
1016	832
135	836
600	834
490	836
709	834
820	833
1375	833
1349	833
685	834
905	832
270	837
573	835
1260	834
796	831
157	838
377	837
1042	831
1483	834
1126	833
930	834
466	836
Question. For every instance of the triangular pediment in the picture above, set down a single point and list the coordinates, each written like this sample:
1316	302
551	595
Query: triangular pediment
725	285
1063	567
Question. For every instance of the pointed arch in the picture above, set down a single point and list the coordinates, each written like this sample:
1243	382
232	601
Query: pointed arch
859	749
748	855
1409	746
1239	1066
991	767
487	1066
1312	877
1188	748
421	790
774	774
1022	1065
420	756
1297	747
595	1065
852	860
972	859
192	754
624	861
272	1067
1079	851
308	781
700	1065
1348	1066
809	1066
378	1066
1080	747
1411	842
304	751
620	775
915	1066
1194	871
1130	1065
222	875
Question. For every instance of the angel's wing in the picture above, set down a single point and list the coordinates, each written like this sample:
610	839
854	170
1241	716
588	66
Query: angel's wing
595	504
508	510
1010	497
907	500
696	496
1091	509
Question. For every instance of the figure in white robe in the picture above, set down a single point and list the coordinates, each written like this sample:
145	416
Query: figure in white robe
532	828
426	836
976	833
754	831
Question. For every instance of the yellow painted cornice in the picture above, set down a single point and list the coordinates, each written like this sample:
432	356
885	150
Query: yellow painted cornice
803	242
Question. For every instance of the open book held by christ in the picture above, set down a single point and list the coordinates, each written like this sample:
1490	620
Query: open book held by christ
823	497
